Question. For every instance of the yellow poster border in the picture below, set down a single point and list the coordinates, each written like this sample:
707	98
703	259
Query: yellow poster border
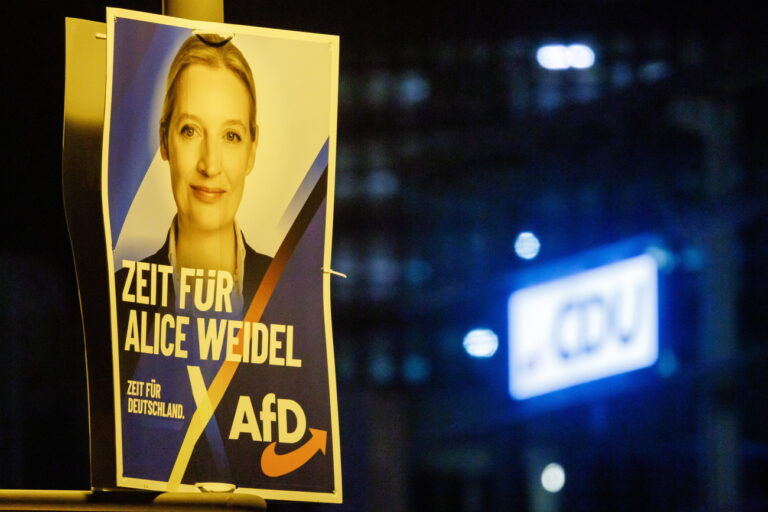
332	41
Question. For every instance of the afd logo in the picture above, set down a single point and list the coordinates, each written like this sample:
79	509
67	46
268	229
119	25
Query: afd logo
583	327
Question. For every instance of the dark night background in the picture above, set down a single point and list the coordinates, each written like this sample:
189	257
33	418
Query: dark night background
451	141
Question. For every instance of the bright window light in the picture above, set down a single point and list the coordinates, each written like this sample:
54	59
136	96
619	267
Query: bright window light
558	57
481	343
553	477
553	56
580	56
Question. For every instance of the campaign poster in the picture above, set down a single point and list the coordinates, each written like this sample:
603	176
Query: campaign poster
217	190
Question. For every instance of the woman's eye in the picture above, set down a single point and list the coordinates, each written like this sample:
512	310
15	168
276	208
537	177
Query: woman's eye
188	131
232	137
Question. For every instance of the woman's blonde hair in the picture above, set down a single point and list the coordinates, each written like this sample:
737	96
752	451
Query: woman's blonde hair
209	50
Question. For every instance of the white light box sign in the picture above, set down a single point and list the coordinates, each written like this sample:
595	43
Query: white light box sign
583	327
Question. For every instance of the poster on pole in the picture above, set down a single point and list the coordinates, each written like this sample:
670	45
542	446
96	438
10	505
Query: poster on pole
217	191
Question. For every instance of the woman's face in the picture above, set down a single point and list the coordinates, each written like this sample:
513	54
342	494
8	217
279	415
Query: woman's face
209	147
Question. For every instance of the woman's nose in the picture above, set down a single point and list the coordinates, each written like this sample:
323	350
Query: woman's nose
209	163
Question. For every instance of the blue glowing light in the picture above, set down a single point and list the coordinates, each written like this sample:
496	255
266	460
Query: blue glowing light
481	343
553	477
553	56
527	246
558	57
580	56
416	369
414	89
664	257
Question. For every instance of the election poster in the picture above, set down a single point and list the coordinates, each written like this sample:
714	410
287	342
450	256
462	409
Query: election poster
217	193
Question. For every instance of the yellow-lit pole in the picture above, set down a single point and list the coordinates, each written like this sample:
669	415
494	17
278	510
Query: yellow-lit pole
205	10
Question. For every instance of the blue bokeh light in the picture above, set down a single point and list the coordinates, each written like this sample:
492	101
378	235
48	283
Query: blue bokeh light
527	245
580	56
481	343
559	57
553	477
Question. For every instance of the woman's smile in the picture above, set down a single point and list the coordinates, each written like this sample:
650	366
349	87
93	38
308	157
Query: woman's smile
207	194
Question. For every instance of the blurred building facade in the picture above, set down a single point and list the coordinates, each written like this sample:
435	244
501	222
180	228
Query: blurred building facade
449	149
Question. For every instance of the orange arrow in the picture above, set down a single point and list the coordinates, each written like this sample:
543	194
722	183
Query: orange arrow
273	464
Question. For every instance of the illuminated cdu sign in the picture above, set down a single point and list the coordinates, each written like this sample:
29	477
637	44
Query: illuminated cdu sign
583	327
